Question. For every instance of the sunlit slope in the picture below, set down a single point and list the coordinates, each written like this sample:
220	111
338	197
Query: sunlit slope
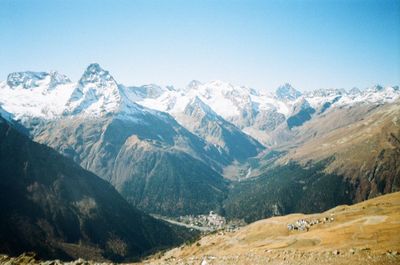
365	233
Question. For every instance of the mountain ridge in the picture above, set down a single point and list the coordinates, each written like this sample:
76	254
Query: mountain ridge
52	206
139	138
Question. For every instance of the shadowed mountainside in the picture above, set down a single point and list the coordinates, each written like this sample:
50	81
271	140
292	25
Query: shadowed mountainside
52	206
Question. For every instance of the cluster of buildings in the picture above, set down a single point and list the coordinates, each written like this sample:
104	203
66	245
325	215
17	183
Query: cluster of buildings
305	225
212	221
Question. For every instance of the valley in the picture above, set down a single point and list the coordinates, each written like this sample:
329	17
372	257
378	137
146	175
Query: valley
180	154
198	132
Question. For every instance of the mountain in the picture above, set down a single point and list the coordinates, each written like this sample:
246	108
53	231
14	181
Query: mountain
32	95
287	92
259	113
302	112
144	153
326	144
345	155
364	233
55	208
146	140
97	93
286	189
31	80
200	119
149	162
363	141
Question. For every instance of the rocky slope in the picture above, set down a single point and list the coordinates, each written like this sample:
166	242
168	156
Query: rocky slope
363	142
345	155
52	206
150	163
200	119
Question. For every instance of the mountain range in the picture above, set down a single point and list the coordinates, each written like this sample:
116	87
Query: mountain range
246	153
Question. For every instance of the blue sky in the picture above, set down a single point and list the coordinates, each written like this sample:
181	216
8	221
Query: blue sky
310	44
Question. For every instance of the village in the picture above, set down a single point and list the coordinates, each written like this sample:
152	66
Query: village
210	223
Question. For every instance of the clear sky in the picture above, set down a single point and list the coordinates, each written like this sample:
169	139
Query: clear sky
262	44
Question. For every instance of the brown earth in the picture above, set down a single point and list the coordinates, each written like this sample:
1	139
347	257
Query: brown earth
365	233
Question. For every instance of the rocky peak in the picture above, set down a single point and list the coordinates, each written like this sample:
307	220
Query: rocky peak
29	79
95	75
197	104
194	84
97	92
287	92
57	78
377	88
355	91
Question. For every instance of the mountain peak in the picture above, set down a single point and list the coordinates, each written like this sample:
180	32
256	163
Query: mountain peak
96	75
29	79
354	91
196	107
96	93
94	67
377	88
199	103
287	92
193	84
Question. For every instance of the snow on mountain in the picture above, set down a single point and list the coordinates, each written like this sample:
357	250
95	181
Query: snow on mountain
50	95
196	106
147	91
287	92
97	93
240	105
35	94
53	95
30	80
201	120
5	115
258	112
341	97
223	98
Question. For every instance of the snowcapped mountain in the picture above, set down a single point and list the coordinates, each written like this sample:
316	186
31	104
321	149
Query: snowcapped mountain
97	93
52	95
237	104
259	112
144	153
35	95
29	80
42	95
151	141
287	92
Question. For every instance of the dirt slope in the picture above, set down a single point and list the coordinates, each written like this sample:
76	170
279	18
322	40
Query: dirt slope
365	233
